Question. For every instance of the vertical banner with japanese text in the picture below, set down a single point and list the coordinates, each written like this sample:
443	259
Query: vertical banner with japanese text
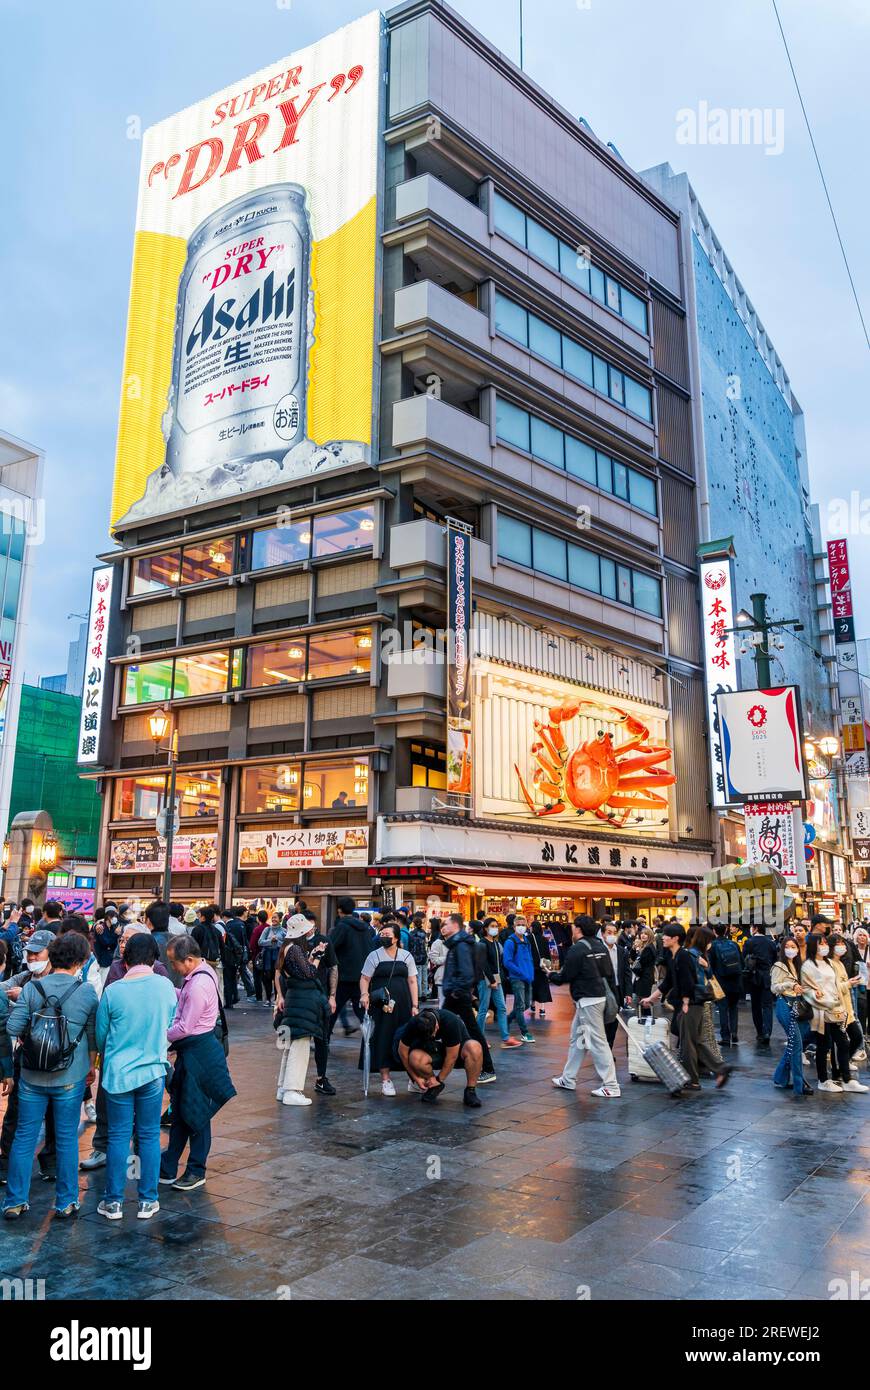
853	691
720	663
92	721
459	730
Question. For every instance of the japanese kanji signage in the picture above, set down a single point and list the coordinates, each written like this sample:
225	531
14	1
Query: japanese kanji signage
774	835
720	663
146	854
96	667
301	848
459	732
854	696
762	747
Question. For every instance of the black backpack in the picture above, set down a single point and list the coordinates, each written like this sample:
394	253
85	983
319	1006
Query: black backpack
419	946
46	1044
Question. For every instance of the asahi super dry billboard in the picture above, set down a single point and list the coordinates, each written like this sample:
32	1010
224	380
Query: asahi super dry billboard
251	320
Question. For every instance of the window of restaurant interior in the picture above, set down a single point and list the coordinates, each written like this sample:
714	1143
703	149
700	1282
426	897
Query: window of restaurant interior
428	766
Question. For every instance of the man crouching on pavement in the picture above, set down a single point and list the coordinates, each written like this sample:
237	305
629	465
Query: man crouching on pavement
429	1046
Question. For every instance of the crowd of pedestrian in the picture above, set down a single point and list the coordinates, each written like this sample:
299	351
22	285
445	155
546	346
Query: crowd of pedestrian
121	1022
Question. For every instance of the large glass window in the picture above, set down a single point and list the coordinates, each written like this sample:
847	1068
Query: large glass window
428	766
510	219
281	545
145	681
647	593
514	540
570	261
211	560
586	569
511	320
339	654
524	431
153	572
545	340
333	786
272	788
207	673
277	663
139	798
550	555
511	423
542	243
198	793
340	531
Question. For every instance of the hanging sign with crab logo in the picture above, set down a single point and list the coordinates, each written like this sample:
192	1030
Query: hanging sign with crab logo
762	744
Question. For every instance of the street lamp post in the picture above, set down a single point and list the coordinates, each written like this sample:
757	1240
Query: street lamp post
758	627
159	725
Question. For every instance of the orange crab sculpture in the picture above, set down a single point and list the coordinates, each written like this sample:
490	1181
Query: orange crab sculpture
596	777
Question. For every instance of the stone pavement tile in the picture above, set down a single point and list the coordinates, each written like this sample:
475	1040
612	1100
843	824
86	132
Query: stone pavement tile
418	1250
188	1293
628	1229
671	1253
356	1276
496	1256
673	1281
752	1264
538	1282
607	1291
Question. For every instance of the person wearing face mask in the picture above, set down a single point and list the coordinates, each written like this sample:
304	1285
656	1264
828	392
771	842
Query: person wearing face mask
821	989
36	966
490	992
847	982
541	953
862	969
301	1007
787	989
520	969
619	977
387	990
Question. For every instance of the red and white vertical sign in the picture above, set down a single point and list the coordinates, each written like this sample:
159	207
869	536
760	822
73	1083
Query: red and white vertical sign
774	835
720	660
96	657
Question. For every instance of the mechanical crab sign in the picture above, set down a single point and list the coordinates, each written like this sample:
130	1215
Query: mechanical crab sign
606	780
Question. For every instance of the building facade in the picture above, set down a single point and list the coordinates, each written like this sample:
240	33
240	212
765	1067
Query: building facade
755	496
532	389
21	531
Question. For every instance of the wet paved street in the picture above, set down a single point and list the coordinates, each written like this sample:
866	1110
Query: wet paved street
746	1194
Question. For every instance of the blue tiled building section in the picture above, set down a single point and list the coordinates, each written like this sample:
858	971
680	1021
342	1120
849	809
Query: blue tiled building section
755	488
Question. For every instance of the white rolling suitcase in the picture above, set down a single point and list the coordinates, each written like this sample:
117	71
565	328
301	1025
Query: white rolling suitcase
641	1034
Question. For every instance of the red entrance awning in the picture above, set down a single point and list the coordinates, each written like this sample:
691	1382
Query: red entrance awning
547	885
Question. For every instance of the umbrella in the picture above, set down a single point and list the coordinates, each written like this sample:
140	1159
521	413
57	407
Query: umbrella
367	1028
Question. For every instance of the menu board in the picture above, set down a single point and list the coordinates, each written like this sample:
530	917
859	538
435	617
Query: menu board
147	854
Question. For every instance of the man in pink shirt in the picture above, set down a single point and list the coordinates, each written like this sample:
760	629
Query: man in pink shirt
201	1082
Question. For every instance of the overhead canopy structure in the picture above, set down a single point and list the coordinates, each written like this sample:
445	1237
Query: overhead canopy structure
548	885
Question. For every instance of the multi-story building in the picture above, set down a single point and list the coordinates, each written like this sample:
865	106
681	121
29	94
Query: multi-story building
532	385
70	681
755	503
21	530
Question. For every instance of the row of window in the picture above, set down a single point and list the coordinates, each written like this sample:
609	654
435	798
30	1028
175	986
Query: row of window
320	537
570	261
513	321
288	660
550	555
269	789
516	426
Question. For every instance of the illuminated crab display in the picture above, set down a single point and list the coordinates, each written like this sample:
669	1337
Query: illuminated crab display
608	782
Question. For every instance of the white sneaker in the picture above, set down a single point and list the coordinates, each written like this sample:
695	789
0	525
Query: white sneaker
607	1091
387	1088
860	1056
412	1085
90	1112
562	1084
855	1086
295	1098
829	1086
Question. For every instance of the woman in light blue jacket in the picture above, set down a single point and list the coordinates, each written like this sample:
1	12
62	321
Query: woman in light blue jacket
132	1020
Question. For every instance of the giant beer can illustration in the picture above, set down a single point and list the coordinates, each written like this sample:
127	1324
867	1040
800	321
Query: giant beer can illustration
240	352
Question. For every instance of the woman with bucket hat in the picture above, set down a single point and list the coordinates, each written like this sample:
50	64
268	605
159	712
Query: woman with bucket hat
301	1008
